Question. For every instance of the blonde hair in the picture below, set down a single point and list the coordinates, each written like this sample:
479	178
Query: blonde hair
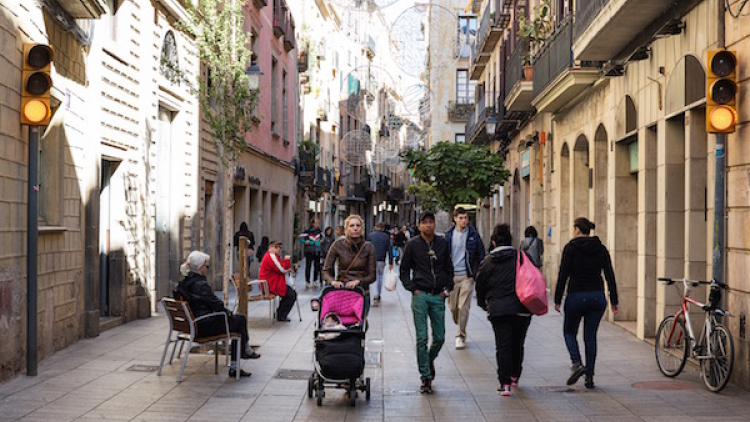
194	261
351	217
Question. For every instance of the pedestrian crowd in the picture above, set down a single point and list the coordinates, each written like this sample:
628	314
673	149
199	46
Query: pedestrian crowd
453	267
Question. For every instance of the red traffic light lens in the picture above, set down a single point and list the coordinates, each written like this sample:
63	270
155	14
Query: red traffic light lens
723	91
39	56
38	83
723	63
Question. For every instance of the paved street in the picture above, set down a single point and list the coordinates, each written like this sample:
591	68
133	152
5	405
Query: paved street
93	379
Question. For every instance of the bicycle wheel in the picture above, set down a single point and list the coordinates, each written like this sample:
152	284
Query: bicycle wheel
716	366
671	346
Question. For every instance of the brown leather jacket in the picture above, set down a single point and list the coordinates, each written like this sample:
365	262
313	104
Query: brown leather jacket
344	250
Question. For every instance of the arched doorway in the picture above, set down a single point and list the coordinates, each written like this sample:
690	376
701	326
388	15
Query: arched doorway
624	247
581	182
564	228
682	209
601	189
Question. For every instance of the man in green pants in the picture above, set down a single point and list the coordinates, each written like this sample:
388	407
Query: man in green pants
427	272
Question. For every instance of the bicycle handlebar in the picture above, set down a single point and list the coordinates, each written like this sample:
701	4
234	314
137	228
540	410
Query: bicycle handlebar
669	281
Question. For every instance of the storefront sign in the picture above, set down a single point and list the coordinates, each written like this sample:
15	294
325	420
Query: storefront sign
526	163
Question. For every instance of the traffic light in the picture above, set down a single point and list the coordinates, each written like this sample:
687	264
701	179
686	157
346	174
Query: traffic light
721	91
36	84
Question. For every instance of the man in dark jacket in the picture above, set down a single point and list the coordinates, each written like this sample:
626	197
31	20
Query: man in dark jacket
467	251
311	239
427	272
195	290
383	249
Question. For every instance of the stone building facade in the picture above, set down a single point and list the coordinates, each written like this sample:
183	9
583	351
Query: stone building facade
118	167
615	131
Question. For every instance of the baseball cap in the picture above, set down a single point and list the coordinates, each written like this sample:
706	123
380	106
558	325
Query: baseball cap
425	214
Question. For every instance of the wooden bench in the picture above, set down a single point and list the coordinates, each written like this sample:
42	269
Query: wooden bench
183	328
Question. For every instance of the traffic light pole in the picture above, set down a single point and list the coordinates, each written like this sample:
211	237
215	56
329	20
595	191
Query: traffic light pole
31	252
719	220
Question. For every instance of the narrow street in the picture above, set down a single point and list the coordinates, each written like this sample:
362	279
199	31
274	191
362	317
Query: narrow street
95	380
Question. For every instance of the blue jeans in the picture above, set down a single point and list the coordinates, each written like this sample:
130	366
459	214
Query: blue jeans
590	307
380	268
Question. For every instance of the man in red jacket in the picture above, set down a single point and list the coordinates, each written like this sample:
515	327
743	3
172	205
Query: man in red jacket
273	269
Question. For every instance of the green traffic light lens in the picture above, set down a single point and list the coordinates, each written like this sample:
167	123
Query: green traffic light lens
38	83
723	63
39	56
723	91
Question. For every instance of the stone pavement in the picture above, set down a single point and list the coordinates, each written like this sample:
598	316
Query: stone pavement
95	380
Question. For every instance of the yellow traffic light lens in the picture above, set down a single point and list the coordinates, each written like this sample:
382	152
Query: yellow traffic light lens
35	111
722	118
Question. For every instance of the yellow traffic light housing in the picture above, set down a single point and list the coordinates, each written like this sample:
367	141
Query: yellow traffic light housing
36	84
721	91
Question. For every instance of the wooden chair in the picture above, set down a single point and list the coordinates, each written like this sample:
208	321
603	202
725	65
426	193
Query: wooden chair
184	326
264	295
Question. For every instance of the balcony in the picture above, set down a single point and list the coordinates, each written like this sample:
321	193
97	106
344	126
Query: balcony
307	163
303	61
384	183
259	4
478	61
476	127
518	90
494	21
605	28
369	48
459	111
280	13
396	195
557	78
84	9
290	42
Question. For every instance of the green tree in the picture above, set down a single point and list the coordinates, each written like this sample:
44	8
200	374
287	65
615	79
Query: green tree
227	102
451	173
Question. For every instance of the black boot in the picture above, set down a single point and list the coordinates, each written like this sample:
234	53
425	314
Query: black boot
589	381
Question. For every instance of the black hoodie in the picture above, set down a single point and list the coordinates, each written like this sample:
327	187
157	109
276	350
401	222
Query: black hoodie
496	283
583	260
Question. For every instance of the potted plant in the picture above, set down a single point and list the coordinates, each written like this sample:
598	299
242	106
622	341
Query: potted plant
536	31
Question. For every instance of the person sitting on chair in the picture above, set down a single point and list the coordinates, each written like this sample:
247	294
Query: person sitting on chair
195	290
273	269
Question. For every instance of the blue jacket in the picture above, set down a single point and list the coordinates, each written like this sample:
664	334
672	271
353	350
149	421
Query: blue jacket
382	242
474	248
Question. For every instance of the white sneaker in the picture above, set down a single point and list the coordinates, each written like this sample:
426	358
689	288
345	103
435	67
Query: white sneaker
460	343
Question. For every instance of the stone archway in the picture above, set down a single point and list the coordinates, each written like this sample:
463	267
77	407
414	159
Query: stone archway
566	222
601	180
581	182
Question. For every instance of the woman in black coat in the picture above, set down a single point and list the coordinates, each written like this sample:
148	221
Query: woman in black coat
584	259
496	294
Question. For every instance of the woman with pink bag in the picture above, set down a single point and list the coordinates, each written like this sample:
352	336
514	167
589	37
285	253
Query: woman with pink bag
496	294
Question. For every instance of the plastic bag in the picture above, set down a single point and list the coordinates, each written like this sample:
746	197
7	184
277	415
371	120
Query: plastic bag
530	285
390	281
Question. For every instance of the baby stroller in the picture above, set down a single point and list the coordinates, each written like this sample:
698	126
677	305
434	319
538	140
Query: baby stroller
339	352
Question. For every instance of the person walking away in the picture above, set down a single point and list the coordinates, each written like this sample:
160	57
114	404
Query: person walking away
273	269
195	290
311	238
427	272
355	257
399	241
583	260
533	246
244	231
262	248
383	249
467	251
496	294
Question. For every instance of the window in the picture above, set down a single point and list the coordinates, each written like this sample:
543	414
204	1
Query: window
274	97
169	65
460	138
467	28
284	114
464	87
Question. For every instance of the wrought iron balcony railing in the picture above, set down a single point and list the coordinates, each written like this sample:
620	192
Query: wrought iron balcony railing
585	14
514	65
